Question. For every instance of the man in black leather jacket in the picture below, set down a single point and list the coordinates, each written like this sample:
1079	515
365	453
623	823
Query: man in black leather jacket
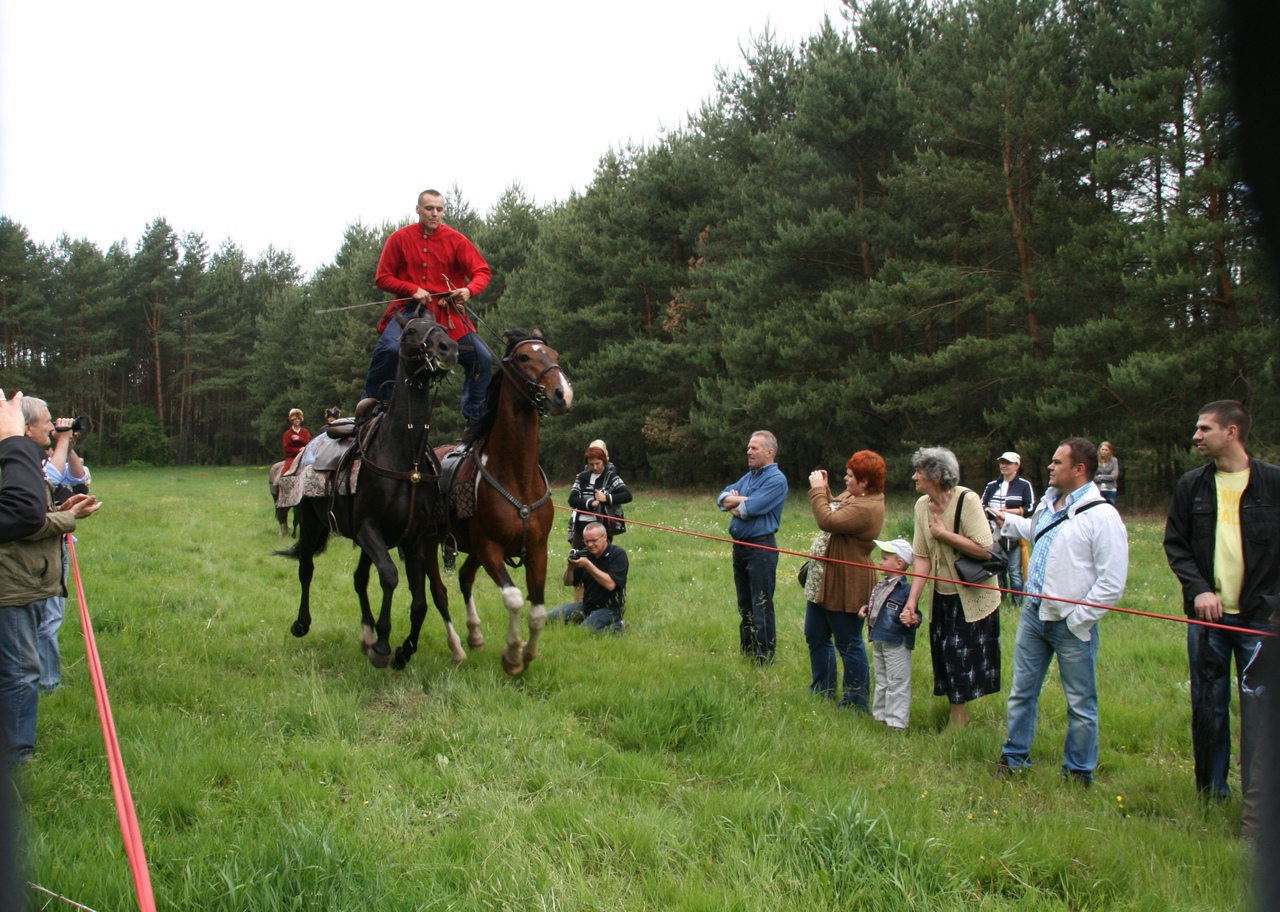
1222	539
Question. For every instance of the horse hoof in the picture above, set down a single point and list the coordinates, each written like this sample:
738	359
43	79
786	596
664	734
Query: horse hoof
475	639
400	660
300	629
458	657
512	668
378	659
284	530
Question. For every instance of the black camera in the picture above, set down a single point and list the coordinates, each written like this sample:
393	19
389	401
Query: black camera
79	425
578	553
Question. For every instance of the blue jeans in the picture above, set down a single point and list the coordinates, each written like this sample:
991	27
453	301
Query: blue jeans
820	628
52	610
597	621
755	574
1244	646
473	355
1011	578
19	677
1037	643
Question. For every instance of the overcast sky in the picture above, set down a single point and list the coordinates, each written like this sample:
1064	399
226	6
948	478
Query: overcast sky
281	122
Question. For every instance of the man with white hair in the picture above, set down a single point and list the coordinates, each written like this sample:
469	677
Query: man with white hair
756	500
30	572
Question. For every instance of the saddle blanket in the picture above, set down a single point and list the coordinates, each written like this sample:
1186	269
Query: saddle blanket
313	482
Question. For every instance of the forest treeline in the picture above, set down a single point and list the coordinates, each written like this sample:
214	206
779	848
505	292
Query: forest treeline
987	224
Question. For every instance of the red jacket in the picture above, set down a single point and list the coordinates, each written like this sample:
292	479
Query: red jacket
295	441
409	262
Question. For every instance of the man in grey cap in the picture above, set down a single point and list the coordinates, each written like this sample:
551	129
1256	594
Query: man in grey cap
1013	494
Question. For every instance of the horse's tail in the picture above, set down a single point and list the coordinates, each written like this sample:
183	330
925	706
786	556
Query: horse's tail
295	552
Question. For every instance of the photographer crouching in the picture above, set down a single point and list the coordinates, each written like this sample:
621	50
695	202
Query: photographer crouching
601	569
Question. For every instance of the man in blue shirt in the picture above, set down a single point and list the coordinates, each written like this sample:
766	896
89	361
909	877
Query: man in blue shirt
756	500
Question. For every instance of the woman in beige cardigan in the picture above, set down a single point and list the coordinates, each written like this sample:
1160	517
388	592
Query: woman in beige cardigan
852	521
964	625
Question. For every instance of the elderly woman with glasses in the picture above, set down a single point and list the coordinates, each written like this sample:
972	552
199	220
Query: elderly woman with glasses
851	521
964	624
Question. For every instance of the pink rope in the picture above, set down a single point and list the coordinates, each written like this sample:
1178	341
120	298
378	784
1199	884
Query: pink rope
943	579
119	782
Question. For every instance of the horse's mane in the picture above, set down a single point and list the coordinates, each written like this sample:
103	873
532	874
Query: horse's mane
480	430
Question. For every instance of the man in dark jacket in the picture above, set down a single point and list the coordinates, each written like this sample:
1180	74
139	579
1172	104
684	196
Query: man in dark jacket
30	572
602	574
22	488
1222	540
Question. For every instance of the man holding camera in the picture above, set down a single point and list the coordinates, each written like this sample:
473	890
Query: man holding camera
66	471
601	569
30	573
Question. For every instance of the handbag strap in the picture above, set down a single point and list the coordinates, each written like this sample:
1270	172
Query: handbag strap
959	506
1064	517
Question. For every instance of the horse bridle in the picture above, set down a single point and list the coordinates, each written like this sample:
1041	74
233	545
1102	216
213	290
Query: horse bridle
533	390
417	452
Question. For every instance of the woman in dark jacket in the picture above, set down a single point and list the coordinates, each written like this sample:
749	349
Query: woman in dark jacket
598	489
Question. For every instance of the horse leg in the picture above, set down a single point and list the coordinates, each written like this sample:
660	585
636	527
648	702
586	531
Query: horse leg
314	535
361	582
425	565
491	558
370	542
282	517
475	639
535	576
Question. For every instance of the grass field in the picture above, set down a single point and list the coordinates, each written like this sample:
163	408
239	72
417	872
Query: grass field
653	770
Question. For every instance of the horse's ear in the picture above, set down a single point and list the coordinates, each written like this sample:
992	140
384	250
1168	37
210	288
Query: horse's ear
402	318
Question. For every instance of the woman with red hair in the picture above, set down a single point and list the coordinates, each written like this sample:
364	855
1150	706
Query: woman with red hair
853	520
598	489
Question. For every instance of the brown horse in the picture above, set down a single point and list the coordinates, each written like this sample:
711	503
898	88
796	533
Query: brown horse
512	514
395	503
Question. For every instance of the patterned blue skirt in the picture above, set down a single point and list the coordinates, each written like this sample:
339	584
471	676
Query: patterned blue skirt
966	657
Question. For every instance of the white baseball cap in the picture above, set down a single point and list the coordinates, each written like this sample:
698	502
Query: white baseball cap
1011	456
899	546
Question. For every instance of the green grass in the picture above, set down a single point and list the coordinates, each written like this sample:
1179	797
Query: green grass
655	770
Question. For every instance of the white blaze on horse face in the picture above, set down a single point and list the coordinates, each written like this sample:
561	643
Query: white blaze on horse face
484	460
568	391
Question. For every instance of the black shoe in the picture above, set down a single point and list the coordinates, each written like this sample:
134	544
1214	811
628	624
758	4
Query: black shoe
450	558
1005	772
1076	777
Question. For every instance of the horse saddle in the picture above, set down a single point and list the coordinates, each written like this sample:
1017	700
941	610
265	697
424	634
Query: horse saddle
341	428
458	479
330	452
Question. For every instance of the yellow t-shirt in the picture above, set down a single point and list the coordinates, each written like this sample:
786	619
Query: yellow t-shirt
1228	553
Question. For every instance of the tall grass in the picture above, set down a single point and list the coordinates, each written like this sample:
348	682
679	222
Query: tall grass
650	770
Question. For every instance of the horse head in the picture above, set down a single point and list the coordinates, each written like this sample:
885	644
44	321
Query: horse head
533	366
425	347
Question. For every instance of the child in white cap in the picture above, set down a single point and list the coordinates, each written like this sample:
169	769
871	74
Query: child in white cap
891	640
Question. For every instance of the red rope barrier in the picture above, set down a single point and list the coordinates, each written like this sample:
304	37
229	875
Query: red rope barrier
944	579
119	782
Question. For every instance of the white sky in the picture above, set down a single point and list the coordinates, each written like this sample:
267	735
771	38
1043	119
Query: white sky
281	122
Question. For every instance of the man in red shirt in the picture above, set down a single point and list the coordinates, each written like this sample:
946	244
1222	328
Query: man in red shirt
438	267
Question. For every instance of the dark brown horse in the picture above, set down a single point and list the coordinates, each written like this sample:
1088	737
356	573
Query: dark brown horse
512	515
396	497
